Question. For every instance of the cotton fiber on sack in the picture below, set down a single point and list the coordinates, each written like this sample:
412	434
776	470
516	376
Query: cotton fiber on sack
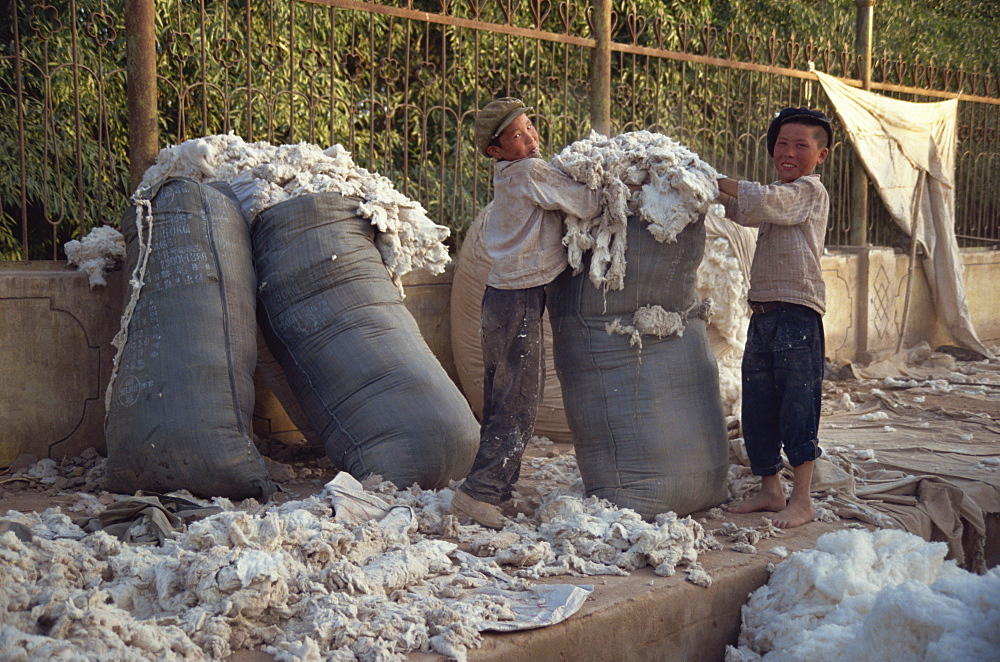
677	189
263	175
724	277
639	379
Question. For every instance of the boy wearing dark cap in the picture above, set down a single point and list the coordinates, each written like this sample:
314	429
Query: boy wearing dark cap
783	360
523	237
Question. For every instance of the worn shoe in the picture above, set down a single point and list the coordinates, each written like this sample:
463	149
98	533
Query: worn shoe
466	508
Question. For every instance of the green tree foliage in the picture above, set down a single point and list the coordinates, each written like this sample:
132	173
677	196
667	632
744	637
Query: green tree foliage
400	95
958	31
72	109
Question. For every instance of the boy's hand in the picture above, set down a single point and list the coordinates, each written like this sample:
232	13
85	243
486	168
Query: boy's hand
729	186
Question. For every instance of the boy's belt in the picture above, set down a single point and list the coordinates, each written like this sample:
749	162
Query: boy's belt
767	306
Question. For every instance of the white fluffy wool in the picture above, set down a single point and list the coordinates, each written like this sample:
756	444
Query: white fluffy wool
263	175
292	581
721	278
651	321
677	188
872	596
96	253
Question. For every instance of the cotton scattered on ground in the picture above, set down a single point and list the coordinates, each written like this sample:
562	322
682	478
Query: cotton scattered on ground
872	596
651	321
263	175
291	580
323	580
95	254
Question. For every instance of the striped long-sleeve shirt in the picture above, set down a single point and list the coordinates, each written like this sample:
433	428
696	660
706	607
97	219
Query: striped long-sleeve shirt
792	219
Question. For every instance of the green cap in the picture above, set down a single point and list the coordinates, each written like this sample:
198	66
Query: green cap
494	118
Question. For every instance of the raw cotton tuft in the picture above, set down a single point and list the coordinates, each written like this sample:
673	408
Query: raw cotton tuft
98	252
677	189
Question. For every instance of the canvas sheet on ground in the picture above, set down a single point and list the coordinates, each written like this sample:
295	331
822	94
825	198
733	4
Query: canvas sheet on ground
912	459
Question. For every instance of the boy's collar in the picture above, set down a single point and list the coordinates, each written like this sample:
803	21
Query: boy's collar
533	156
812	174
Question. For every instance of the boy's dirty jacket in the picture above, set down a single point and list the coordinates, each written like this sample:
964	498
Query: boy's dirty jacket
524	231
792	219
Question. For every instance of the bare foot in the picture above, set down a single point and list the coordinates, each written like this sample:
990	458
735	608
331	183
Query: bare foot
759	501
796	514
800	505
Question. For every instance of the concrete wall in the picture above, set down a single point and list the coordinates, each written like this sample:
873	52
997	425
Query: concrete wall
55	359
56	353
866	303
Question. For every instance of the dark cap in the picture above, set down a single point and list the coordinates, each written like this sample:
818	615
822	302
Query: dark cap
494	118
801	115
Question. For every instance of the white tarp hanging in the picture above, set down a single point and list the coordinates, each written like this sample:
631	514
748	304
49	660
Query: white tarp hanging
896	140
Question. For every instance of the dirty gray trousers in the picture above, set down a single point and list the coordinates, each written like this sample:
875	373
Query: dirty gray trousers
514	363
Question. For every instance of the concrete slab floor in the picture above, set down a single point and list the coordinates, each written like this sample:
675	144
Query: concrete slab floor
643	616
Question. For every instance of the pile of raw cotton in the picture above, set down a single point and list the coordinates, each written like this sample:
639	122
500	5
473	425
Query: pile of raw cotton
677	188
263	175
867	596
308	580
724	277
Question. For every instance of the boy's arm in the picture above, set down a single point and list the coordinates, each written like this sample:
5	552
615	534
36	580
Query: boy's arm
553	190
788	203
729	190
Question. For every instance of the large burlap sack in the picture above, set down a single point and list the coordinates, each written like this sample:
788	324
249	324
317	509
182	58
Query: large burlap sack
647	420
370	387
725	279
467	287
181	398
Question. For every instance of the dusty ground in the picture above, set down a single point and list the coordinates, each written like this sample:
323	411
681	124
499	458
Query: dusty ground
969	408
301	470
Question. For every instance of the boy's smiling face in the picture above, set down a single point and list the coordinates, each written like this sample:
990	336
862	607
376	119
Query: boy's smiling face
519	140
797	150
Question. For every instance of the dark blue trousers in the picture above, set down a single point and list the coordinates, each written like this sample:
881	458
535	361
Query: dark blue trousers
782	387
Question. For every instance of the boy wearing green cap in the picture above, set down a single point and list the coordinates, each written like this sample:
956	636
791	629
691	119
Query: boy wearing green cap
784	355
523	237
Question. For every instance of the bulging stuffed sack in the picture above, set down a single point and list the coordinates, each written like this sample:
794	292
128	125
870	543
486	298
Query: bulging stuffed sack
646	417
181	396
372	390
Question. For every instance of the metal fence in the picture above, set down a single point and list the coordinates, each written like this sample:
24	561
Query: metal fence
398	84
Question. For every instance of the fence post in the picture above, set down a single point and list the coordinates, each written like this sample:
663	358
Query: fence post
859	179
600	68
143	128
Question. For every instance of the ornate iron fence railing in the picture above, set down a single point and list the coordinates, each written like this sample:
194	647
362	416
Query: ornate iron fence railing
398	84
